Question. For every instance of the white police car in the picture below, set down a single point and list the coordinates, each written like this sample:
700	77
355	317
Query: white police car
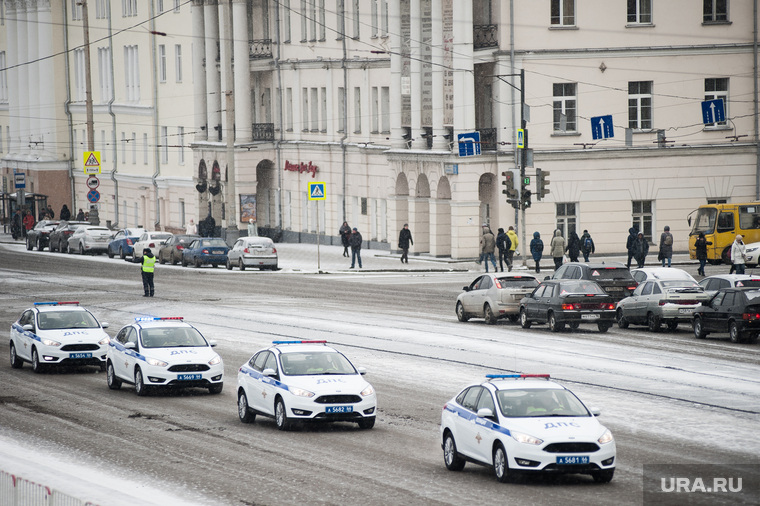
58	333
163	352
524	422
304	381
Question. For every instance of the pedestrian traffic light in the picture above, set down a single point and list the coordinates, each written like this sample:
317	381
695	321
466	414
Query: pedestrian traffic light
542	183
525	202
509	182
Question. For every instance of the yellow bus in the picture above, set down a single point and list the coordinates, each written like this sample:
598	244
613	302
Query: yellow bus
721	223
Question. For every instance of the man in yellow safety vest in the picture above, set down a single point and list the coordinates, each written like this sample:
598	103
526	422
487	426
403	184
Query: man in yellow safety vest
148	265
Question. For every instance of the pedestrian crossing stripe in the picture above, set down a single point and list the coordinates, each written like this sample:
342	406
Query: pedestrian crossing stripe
317	191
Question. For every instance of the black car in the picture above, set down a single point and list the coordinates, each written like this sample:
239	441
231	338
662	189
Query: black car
613	277
39	236
172	249
571	302
732	310
59	238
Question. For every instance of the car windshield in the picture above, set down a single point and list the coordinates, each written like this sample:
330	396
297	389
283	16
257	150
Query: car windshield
753	296
214	243
705	221
580	287
307	364
518	282
172	337
530	403
610	273
133	232
159	237
50	320
679	283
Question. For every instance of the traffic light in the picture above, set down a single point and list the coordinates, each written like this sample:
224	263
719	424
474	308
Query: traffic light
509	182
542	183
525	202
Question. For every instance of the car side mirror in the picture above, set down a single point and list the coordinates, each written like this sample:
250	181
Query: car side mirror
547	278
362	370
211	343
485	413
104	325
595	411
269	372
130	345
466	288
28	327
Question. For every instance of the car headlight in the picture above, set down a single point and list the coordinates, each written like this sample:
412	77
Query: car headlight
750	250
50	342
368	391
105	340
300	392
606	437
156	362
524	438
216	360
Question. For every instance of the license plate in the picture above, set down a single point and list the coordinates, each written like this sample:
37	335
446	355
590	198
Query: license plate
188	377
686	310
589	317
80	355
572	460
614	288
218	252
339	409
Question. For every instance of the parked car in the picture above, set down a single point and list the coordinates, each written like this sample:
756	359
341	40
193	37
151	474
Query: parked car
89	239
658	301
712	284
59	238
646	273
149	239
253	252
613	277
493	296
210	250
752	251
568	301
122	242
172	249
732	310
39	236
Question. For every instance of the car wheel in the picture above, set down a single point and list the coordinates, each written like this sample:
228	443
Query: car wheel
699	328
161	259
122	255
621	320
603	476
110	253
554	325
29	244
140	388
228	265
603	326
81	249
461	315
174	260
500	464
214	266
244	412
281	415
488	314
16	362
524	322
114	383
216	389
64	247
36	365
184	262
367	423
733	332
197	262
241	264
574	325
450	456
52	249
653	322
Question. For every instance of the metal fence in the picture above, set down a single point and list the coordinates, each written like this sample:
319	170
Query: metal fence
18	491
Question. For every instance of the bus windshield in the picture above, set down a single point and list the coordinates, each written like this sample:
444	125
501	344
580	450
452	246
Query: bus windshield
705	221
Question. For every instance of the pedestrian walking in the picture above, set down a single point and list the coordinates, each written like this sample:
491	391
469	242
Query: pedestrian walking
28	222
573	246
557	248
666	246
208	226
147	265
537	249
355	241
345	234
252	229
50	212
17	225
739	254
487	247
404	240
700	245
640	250
503	243
630	245
65	214
80	215
513	246
587	245
191	228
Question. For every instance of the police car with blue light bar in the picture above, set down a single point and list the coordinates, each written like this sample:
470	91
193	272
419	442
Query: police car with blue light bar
297	381
57	333
525	423
163	352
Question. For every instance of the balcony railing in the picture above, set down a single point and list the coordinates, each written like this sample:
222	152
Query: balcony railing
259	49
485	36
263	132
487	139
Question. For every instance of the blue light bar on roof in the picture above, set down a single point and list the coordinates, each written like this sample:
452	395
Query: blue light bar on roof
157	318
516	376
56	303
299	342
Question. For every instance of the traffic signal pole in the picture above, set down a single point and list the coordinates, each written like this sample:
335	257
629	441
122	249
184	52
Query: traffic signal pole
523	162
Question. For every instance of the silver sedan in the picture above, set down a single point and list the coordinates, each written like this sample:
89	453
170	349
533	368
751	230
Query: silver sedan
494	296
658	301
253	251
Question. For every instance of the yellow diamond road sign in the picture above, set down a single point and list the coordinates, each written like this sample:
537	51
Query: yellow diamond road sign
317	191
92	162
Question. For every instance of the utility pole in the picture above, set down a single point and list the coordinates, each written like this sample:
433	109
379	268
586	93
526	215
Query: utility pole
231	233
93	216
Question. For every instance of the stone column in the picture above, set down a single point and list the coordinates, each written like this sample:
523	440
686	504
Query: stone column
464	78
440	227
416	74
46	74
213	79
23	130
34	86
11	27
397	133
199	76
243	122
465	229
439	141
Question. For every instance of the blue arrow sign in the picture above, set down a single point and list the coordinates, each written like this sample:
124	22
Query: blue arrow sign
601	127
713	111
469	144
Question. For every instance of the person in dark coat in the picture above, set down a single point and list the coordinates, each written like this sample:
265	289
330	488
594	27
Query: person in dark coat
345	233
701	246
404	240
17	225
355	241
504	243
573	246
537	249
65	213
50	212
207	226
666	246
80	215
640	250
587	245
630	245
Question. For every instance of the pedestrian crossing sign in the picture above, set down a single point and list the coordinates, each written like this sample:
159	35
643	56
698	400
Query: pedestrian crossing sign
317	191
92	162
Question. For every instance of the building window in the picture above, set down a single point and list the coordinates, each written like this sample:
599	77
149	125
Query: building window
76	10
266	103
323	110
385	107
128	8
134	148
289	109
340	11
563	13
145	149
642	217
123	145
314	125
161	63
177	4
357	110
181	147
100	9
640	12
357	24
178	62
286	21
322	27
132	73
313	20
564	107
305	110
566	218
341	110
375	111
717	88
715	11
717	201
384	18
3	79
640	105
374	18
160	5
364	206
105	74
79	75
304	21
164	144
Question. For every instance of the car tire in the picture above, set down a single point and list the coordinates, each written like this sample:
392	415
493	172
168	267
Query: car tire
109	253
621	320
281	415
174	261
574	325
367	423
241	264
524	322
64	247
461	315
161	259
450	455
36	365
554	325
184	262
140	389
603	476
603	326
214	266
81	249
653	322
52	250
197	262
228	265
122	255
500	464
699	328
733	332
244	411
114	383
16	361
488	315
216	388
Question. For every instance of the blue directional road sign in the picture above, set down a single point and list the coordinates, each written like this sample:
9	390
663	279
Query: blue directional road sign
520	138
93	196
317	191
469	144
601	127
713	111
